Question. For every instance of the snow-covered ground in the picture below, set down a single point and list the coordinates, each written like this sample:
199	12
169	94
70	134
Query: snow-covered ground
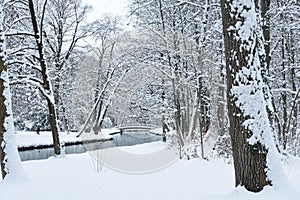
75	177
27	138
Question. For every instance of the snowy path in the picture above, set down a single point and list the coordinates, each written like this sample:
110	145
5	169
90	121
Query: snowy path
74	177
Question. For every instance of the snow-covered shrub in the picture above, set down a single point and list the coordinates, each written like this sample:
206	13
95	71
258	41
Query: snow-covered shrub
222	149
107	123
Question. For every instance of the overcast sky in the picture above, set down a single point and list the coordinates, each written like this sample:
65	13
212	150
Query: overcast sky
117	7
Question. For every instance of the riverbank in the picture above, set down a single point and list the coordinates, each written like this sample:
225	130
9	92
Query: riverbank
32	146
29	138
75	177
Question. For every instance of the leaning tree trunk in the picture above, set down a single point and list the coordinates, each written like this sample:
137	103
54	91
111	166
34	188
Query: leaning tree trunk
249	125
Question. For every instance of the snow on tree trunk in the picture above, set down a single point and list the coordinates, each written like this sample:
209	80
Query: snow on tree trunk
254	153
9	157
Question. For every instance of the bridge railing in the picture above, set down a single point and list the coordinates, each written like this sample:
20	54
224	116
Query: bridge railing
136	125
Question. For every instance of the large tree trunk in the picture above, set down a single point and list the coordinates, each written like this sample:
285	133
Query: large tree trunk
244	78
9	159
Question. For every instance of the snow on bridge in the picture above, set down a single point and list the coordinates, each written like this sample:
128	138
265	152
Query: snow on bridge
124	128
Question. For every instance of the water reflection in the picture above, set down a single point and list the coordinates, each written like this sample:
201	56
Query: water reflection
126	139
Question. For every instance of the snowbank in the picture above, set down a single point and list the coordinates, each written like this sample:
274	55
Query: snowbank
74	177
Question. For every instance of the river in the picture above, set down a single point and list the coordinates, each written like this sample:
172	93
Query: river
126	139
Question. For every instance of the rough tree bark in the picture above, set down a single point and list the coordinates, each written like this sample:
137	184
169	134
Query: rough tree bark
244	82
265	7
3	114
9	159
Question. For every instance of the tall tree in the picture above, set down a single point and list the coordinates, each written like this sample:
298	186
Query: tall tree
45	83
9	158
187	51
285	28
107	34
250	130
64	28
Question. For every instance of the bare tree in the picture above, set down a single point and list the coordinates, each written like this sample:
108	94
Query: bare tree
45	86
182	53
65	27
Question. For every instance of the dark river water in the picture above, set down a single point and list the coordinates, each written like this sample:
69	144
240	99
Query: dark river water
126	139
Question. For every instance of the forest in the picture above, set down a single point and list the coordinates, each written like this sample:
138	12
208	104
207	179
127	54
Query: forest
219	78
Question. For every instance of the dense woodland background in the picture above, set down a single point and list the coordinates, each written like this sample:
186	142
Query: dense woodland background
168	69
134	69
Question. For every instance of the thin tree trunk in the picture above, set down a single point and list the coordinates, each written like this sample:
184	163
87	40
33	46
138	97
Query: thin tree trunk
48	93
295	94
103	116
54	127
164	125
265	7
201	122
221	107
284	96
96	103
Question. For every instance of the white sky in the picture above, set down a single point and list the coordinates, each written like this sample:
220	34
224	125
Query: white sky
117	7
